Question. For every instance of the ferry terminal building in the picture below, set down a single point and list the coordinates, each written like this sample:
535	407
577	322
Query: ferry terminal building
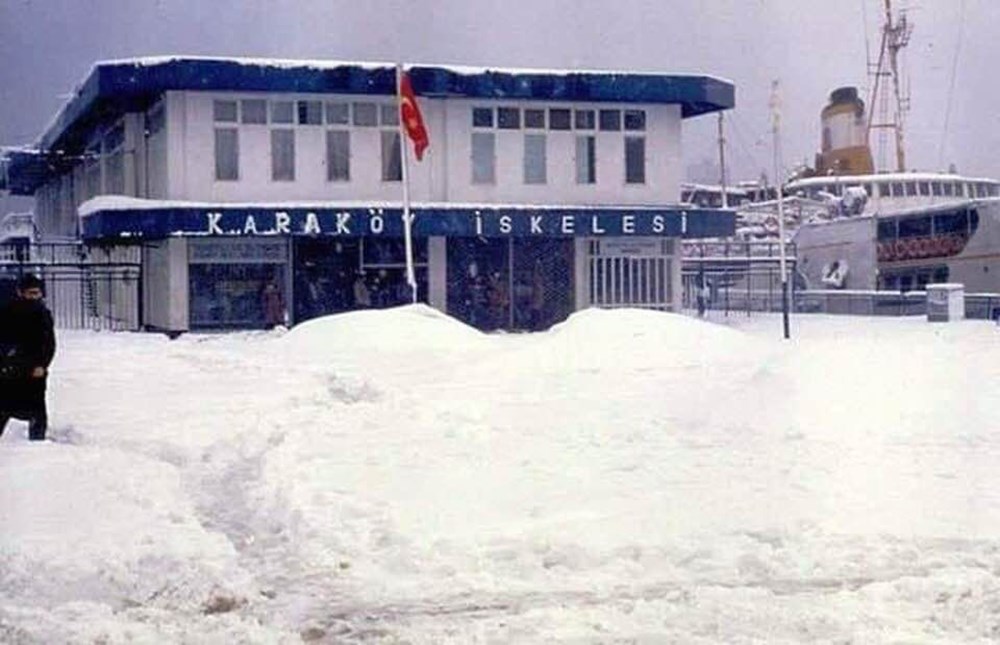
542	192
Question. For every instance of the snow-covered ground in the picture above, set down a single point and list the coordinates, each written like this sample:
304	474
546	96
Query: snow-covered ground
397	477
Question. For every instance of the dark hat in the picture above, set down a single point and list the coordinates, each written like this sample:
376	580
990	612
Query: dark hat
29	281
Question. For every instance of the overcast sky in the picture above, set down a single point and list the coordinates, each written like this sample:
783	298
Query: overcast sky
812	46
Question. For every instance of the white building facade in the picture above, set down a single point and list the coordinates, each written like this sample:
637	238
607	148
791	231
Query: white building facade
541	193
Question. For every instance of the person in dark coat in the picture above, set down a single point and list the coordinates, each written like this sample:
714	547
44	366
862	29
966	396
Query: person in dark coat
27	346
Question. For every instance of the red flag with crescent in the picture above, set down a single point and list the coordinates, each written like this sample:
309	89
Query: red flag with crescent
413	121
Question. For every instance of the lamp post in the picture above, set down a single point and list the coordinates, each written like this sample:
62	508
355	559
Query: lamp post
776	129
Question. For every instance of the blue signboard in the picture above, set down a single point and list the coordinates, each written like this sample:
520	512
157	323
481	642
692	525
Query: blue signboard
158	223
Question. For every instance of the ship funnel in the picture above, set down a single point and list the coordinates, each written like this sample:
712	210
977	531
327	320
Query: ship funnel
844	149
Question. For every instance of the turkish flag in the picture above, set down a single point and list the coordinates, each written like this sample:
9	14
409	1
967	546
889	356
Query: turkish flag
413	121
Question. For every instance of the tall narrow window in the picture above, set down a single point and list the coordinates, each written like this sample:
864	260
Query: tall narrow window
338	155
534	158
483	157
227	154
635	160
392	162
283	155
586	159
253	111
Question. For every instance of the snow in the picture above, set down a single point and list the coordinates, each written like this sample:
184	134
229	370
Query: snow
627	476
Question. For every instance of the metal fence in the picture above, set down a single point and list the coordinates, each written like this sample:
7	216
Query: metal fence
85	287
740	276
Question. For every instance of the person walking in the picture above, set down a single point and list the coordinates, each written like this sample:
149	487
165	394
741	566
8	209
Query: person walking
27	346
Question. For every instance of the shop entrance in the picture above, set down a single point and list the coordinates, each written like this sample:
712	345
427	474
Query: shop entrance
337	275
510	283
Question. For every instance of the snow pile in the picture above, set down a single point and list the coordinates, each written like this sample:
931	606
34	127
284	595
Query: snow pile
395	476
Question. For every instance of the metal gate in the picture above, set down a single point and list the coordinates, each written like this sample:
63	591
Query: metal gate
630	274
86	287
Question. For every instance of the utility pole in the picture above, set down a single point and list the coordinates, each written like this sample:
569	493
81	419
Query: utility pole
779	181
722	163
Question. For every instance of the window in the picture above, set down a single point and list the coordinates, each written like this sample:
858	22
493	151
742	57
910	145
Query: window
338	155
914	227
482	117
886	230
925	188
253	111
283	155
911	189
635	160
534	118
948	188
635	120
310	113
951	223
392	161
282	112
389	115
586	159
883	189
959	189
224	111
483	158
508	118
338	113
534	159
559	119
584	119
610	120
227	154
365	114
897	189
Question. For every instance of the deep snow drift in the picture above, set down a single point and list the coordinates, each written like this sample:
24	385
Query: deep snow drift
395	476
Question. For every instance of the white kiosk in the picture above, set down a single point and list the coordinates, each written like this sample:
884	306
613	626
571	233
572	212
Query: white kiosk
945	302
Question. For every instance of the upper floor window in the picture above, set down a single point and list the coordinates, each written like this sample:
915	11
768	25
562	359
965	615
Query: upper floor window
338	113
227	154
483	157
586	159
365	114
388	115
635	119
610	120
310	112
253	111
534	118
282	112
559	118
508	118
224	111
534	159
283	155
338	155
482	117
635	160
392	162
584	119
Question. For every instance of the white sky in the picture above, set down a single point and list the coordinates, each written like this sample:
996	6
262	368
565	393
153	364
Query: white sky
47	46
628	476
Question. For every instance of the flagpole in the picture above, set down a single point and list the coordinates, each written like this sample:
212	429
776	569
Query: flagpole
411	278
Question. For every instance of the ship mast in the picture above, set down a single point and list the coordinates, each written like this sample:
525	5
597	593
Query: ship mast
895	36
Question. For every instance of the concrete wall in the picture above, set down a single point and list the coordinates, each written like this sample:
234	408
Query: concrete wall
165	285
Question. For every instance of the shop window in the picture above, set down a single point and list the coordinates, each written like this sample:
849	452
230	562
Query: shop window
227	154
483	158
534	159
231	295
338	155
283	155
635	160
392	163
253	111
586	159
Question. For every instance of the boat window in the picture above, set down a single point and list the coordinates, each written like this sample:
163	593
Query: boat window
886	230
959	189
952	222
948	189
914	227
979	190
911	189
883	189
870	189
936	188
897	189
973	221
925	188
994	190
